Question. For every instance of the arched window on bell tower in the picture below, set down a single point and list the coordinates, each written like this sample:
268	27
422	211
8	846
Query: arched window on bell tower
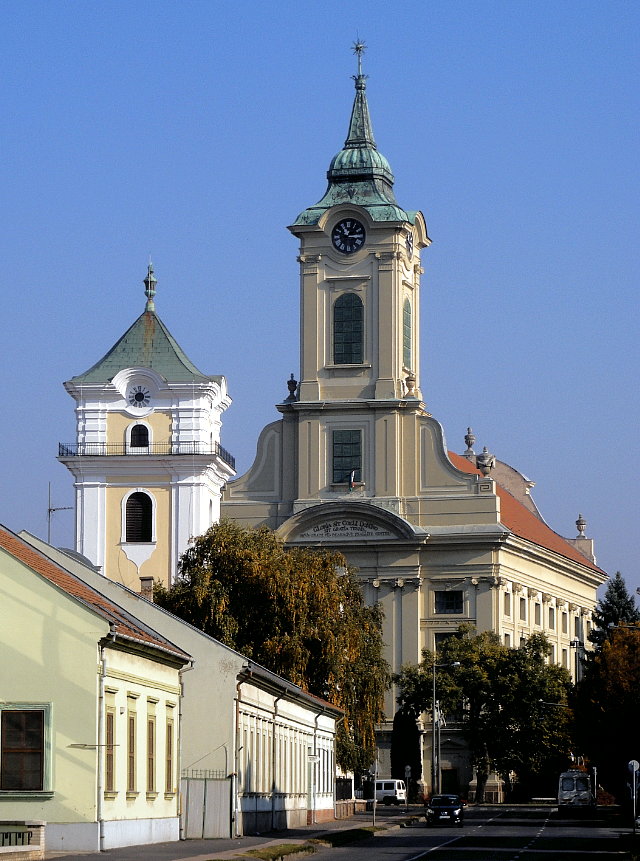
139	436
407	357
348	330
138	518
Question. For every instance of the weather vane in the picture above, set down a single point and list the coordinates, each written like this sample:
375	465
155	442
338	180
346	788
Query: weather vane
359	48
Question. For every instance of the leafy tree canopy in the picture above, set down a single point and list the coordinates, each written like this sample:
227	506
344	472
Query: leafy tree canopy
608	704
511	703
616	607
299	612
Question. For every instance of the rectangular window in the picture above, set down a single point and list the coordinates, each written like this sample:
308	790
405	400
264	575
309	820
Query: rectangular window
151	754
507	603
537	614
552	617
565	659
565	623
448	602
347	456
22	750
507	640
131	752
109	752
168	781
439	639
523	609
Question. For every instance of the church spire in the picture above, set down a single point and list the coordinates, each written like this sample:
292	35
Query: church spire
359	174
360	131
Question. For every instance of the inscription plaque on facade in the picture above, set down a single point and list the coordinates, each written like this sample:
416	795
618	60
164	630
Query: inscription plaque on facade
345	527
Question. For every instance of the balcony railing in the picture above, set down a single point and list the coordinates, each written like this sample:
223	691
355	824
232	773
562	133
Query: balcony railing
103	449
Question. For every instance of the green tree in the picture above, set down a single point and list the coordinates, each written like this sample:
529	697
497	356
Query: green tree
607	704
501	697
298	612
616	607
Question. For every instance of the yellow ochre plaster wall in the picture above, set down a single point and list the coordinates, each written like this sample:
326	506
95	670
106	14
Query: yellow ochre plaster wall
117	566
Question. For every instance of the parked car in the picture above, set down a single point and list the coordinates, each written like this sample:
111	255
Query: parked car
391	791
444	809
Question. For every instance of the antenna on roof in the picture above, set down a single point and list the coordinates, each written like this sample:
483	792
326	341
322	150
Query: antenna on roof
51	510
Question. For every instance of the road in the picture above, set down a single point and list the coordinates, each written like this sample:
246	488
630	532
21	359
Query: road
498	834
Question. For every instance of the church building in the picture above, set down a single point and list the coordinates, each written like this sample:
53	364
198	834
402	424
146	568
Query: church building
147	461
356	462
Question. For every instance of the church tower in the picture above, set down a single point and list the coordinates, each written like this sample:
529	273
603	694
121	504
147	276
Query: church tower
147	462
357	464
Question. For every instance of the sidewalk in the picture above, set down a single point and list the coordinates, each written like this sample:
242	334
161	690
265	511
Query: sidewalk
219	849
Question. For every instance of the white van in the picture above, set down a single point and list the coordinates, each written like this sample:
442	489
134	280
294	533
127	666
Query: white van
391	791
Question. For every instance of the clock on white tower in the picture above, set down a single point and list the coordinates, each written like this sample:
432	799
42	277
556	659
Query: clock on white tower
139	397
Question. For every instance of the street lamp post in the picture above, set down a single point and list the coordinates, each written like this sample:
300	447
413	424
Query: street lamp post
435	731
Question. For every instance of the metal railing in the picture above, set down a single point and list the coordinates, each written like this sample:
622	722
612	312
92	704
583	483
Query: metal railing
15	838
103	449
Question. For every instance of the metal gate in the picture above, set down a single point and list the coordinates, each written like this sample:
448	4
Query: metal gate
206	807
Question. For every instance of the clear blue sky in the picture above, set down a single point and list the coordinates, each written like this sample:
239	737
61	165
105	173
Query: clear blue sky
195	132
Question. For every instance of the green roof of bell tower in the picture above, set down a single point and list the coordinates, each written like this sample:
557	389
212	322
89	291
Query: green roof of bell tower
146	344
359	173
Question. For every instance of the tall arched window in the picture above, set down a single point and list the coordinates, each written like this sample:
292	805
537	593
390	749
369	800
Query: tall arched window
348	330
139	517
139	436
407	357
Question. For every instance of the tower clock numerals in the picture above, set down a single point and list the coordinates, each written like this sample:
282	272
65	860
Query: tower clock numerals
139	397
348	236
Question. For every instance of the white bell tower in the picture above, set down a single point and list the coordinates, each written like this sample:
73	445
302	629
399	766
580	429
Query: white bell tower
147	461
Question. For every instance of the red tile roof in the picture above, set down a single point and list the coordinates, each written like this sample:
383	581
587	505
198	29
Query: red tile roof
524	523
125	625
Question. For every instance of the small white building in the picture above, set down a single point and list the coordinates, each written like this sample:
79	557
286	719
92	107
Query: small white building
257	752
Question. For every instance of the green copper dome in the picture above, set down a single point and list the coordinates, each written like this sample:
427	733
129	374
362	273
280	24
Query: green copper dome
359	174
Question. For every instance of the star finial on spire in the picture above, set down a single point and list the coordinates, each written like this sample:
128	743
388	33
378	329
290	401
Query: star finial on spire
150	287
359	48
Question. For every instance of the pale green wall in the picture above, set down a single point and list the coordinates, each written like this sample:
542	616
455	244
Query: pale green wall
49	655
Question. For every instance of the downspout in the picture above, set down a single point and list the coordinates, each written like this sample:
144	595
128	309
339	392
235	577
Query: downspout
314	770
101	746
179	764
235	801
273	763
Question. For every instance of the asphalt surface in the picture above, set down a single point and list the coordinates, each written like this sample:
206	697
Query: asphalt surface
213	850
490	833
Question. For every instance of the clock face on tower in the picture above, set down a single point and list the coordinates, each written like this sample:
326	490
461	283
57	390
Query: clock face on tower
348	236
139	397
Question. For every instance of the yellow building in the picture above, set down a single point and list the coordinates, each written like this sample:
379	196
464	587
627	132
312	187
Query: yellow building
358	464
147	460
89	710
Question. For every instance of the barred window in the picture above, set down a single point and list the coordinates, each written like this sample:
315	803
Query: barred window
348	330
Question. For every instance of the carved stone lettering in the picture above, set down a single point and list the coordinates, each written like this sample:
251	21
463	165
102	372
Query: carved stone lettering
342	528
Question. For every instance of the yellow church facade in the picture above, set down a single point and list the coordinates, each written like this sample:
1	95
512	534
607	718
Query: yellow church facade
358	464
